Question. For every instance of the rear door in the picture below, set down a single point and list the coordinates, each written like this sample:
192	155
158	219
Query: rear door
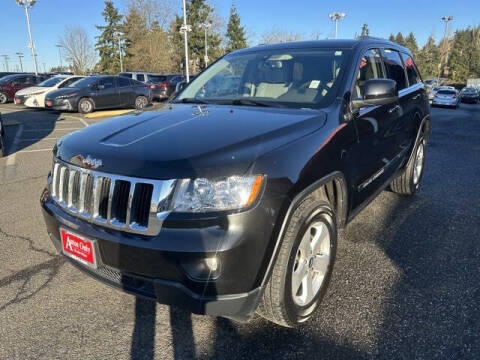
106	95
126	91
375	126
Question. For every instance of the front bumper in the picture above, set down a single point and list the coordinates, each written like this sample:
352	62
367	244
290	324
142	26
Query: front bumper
156	267
444	103
60	104
469	99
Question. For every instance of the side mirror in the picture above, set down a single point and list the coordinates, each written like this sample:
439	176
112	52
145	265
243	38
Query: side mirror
377	92
180	86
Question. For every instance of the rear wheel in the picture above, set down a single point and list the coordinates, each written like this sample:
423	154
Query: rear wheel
85	106
408	182
304	265
3	98
141	102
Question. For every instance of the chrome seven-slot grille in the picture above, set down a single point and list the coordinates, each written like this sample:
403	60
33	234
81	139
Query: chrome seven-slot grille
129	204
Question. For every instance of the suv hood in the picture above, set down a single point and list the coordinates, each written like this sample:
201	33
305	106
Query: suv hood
185	141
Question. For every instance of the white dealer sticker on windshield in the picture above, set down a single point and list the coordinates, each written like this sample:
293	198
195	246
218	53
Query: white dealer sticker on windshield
314	84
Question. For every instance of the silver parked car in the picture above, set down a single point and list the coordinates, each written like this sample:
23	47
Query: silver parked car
446	97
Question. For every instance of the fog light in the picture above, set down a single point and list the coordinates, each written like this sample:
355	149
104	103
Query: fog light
205	269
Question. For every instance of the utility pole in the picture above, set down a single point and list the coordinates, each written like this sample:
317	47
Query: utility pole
5	59
27	4
446	20
59	46
206	26
184	30
119	43
20	56
336	17
44	68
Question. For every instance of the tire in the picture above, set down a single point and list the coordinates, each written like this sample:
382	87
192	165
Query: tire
408	181
280	303
85	106
3	98
141	102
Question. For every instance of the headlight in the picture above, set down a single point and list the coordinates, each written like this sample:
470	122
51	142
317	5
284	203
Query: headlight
61	97
204	195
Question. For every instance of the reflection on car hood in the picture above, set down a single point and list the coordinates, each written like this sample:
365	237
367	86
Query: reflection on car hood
58	92
32	90
185	140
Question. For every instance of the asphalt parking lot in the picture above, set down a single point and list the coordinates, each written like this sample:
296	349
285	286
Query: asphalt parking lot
406	283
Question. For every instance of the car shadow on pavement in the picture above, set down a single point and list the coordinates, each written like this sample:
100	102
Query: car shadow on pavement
25	128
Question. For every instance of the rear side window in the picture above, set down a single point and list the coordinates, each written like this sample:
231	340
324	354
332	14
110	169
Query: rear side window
123	82
140	77
127	75
370	68
412	72
394	67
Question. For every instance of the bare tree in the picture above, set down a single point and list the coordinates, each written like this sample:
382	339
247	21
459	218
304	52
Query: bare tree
156	13
279	36
77	49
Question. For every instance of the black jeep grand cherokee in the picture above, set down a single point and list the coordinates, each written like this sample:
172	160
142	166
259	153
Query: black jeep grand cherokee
228	200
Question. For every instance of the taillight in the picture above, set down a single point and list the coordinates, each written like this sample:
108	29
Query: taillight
454	96
153	86
163	85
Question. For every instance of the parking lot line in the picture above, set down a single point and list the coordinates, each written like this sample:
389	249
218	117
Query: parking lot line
40	139
16	140
83	121
33	151
55	129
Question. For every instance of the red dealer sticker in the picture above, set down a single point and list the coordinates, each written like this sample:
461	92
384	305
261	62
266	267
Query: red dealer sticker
78	248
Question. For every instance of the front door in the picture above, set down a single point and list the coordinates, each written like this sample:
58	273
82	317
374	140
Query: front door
106	95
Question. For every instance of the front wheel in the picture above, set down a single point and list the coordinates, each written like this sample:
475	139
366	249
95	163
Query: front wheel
85	106
304	265
141	102
407	183
3	98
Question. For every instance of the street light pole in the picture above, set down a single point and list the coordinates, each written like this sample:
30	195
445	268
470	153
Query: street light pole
445	19
336	17
5	58
27	4
185	29
59	46
20	55
206	26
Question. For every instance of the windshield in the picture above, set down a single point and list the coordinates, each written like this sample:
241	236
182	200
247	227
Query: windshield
8	78
289	77
469	90
51	82
84	82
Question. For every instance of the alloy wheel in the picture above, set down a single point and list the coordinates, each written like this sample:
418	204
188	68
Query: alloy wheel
311	263
418	165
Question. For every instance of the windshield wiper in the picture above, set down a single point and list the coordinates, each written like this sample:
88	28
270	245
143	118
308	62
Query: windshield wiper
192	101
248	102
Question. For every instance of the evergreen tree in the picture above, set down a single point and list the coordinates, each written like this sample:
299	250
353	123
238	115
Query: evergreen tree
392	38
428	59
235	32
464	59
198	12
107	42
365	31
399	39
411	43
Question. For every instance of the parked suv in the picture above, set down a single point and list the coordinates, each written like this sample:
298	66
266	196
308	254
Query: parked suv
229	200
99	92
162	85
10	84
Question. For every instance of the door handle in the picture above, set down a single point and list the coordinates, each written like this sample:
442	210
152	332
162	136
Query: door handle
416	97
393	109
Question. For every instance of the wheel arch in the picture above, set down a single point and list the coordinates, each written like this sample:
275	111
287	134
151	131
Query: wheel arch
88	98
334	187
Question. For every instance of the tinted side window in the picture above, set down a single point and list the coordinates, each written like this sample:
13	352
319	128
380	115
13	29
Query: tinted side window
127	75
108	83
370	68
412	72
69	81
140	77
394	67
123	82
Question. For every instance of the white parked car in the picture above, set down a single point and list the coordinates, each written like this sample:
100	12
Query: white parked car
35	96
446	97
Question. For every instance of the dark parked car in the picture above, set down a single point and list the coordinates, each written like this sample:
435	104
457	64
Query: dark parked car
10	84
99	92
469	95
164	85
229	200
